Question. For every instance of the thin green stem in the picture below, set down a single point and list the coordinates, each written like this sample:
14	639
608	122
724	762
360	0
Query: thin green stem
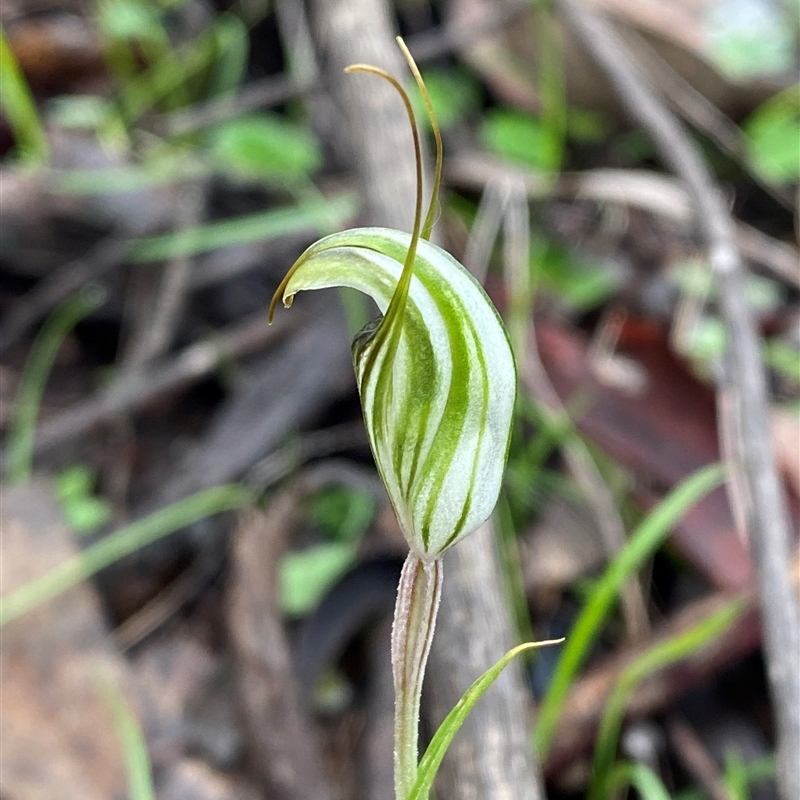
19	108
418	597
34	378
644	541
656	658
140	773
120	544
427	228
398	302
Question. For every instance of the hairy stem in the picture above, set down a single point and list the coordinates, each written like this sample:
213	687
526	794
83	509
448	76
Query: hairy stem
418	598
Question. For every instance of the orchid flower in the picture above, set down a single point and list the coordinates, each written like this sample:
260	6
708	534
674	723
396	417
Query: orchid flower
437	383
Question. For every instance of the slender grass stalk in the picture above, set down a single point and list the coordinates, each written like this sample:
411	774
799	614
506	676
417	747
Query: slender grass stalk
644	541
242	230
641	777
34	377
657	657
140	774
117	545
19	108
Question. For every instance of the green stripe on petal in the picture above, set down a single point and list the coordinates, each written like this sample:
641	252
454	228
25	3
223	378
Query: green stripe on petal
437	381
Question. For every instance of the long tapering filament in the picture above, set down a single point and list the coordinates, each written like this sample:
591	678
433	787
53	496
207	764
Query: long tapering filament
427	228
397	303
419	230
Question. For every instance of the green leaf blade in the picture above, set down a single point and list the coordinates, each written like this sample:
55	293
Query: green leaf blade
644	541
429	765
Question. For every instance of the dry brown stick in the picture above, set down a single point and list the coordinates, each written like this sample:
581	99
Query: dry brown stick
165	605
645	189
285	752
700	112
155	332
768	519
133	392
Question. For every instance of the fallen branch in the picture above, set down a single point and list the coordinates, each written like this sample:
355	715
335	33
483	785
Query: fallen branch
644	189
279	733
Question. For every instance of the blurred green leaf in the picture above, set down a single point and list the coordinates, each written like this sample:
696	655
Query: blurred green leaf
79	111
87	514
233	47
751	38
773	137
735	775
132	21
454	94
76	480
587	126
266	146
633	147
582	285
641	777
344	513
706	339
74	488
520	137
305	575
19	109
784	358
694	277
258	227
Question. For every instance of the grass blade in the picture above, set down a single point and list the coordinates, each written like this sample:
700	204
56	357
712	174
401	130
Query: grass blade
19	108
657	657
642	778
34	377
137	758
429	765
123	542
242	230
644	541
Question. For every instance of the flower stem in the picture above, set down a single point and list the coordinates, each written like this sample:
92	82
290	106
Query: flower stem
418	598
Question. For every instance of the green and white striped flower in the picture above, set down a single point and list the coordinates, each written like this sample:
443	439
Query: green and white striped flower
436	374
436	378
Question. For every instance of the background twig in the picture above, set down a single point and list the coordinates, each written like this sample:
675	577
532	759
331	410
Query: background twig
767	517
